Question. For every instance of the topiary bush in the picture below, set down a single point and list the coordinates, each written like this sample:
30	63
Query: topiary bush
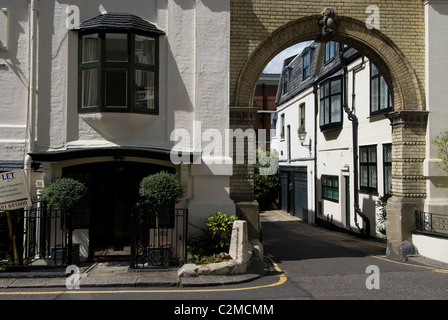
161	190
65	193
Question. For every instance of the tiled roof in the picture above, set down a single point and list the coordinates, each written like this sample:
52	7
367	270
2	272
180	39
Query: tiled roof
120	21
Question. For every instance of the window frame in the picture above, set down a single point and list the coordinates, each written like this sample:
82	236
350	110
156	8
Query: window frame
302	118
368	164
286	80
387	167
329	54
325	184
331	125
306	68
378	78
131	67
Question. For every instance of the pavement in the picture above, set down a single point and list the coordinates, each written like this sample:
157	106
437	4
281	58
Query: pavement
118	274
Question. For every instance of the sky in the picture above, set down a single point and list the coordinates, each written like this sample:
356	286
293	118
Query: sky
276	64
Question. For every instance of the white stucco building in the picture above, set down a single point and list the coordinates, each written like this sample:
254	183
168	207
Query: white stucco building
103	91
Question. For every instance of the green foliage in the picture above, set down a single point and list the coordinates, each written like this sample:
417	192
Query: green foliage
4	264
441	141
65	193
220	230
161	190
213	240
266	187
382	213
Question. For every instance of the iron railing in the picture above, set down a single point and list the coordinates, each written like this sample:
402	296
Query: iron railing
159	237
36	234
431	222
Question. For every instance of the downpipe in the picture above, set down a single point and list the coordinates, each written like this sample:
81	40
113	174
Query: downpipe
354	119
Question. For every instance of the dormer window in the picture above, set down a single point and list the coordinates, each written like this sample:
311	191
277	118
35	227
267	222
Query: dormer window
285	80
118	65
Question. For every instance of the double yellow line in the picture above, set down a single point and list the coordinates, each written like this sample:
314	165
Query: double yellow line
370	243
281	281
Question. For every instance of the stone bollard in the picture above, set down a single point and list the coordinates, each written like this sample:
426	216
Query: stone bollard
239	247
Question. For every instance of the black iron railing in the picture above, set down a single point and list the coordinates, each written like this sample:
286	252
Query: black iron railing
159	237
36	234
431	222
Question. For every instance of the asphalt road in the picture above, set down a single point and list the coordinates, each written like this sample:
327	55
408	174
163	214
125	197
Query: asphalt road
307	263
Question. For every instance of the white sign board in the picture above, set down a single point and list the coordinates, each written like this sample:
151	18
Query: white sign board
13	191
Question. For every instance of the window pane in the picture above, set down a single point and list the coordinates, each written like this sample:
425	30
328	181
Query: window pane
144	50
90	88
373	177
336	86
116	47
336	109
327	110
364	176
388	180
374	70
387	153
116	88
384	94
374	95
144	94
363	154
90	48
372	154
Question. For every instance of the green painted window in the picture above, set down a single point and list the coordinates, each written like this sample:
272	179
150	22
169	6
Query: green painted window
118	72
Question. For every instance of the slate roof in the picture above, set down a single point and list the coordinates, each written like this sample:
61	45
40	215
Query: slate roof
318	69
120	21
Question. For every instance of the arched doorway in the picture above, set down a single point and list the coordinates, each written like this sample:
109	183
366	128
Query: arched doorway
408	119
113	193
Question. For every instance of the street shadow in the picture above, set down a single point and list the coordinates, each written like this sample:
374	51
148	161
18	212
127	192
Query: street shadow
295	240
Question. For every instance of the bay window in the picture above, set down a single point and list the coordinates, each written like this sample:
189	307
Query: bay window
118	67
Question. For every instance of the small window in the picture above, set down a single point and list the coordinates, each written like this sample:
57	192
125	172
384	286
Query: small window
282	133
330	51
380	101
387	167
330	188
306	64
302	118
285	80
368	169
331	104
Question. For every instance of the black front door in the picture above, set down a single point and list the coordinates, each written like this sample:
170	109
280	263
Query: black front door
113	192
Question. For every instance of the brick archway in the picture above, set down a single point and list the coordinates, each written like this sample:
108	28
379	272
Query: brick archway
408	120
394	66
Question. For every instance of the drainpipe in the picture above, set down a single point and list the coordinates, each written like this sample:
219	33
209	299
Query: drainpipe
316	104
31	119
354	119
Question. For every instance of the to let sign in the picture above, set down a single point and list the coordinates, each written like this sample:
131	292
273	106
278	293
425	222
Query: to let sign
13	191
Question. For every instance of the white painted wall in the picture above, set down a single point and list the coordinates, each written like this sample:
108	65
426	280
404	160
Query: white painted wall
436	102
194	89
335	151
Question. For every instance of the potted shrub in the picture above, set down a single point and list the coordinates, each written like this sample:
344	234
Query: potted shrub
65	193
161	190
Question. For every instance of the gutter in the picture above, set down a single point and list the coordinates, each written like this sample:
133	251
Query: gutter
352	117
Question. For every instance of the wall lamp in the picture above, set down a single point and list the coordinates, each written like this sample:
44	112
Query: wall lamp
302	135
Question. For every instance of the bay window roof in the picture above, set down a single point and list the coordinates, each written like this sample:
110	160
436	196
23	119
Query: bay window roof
120	21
